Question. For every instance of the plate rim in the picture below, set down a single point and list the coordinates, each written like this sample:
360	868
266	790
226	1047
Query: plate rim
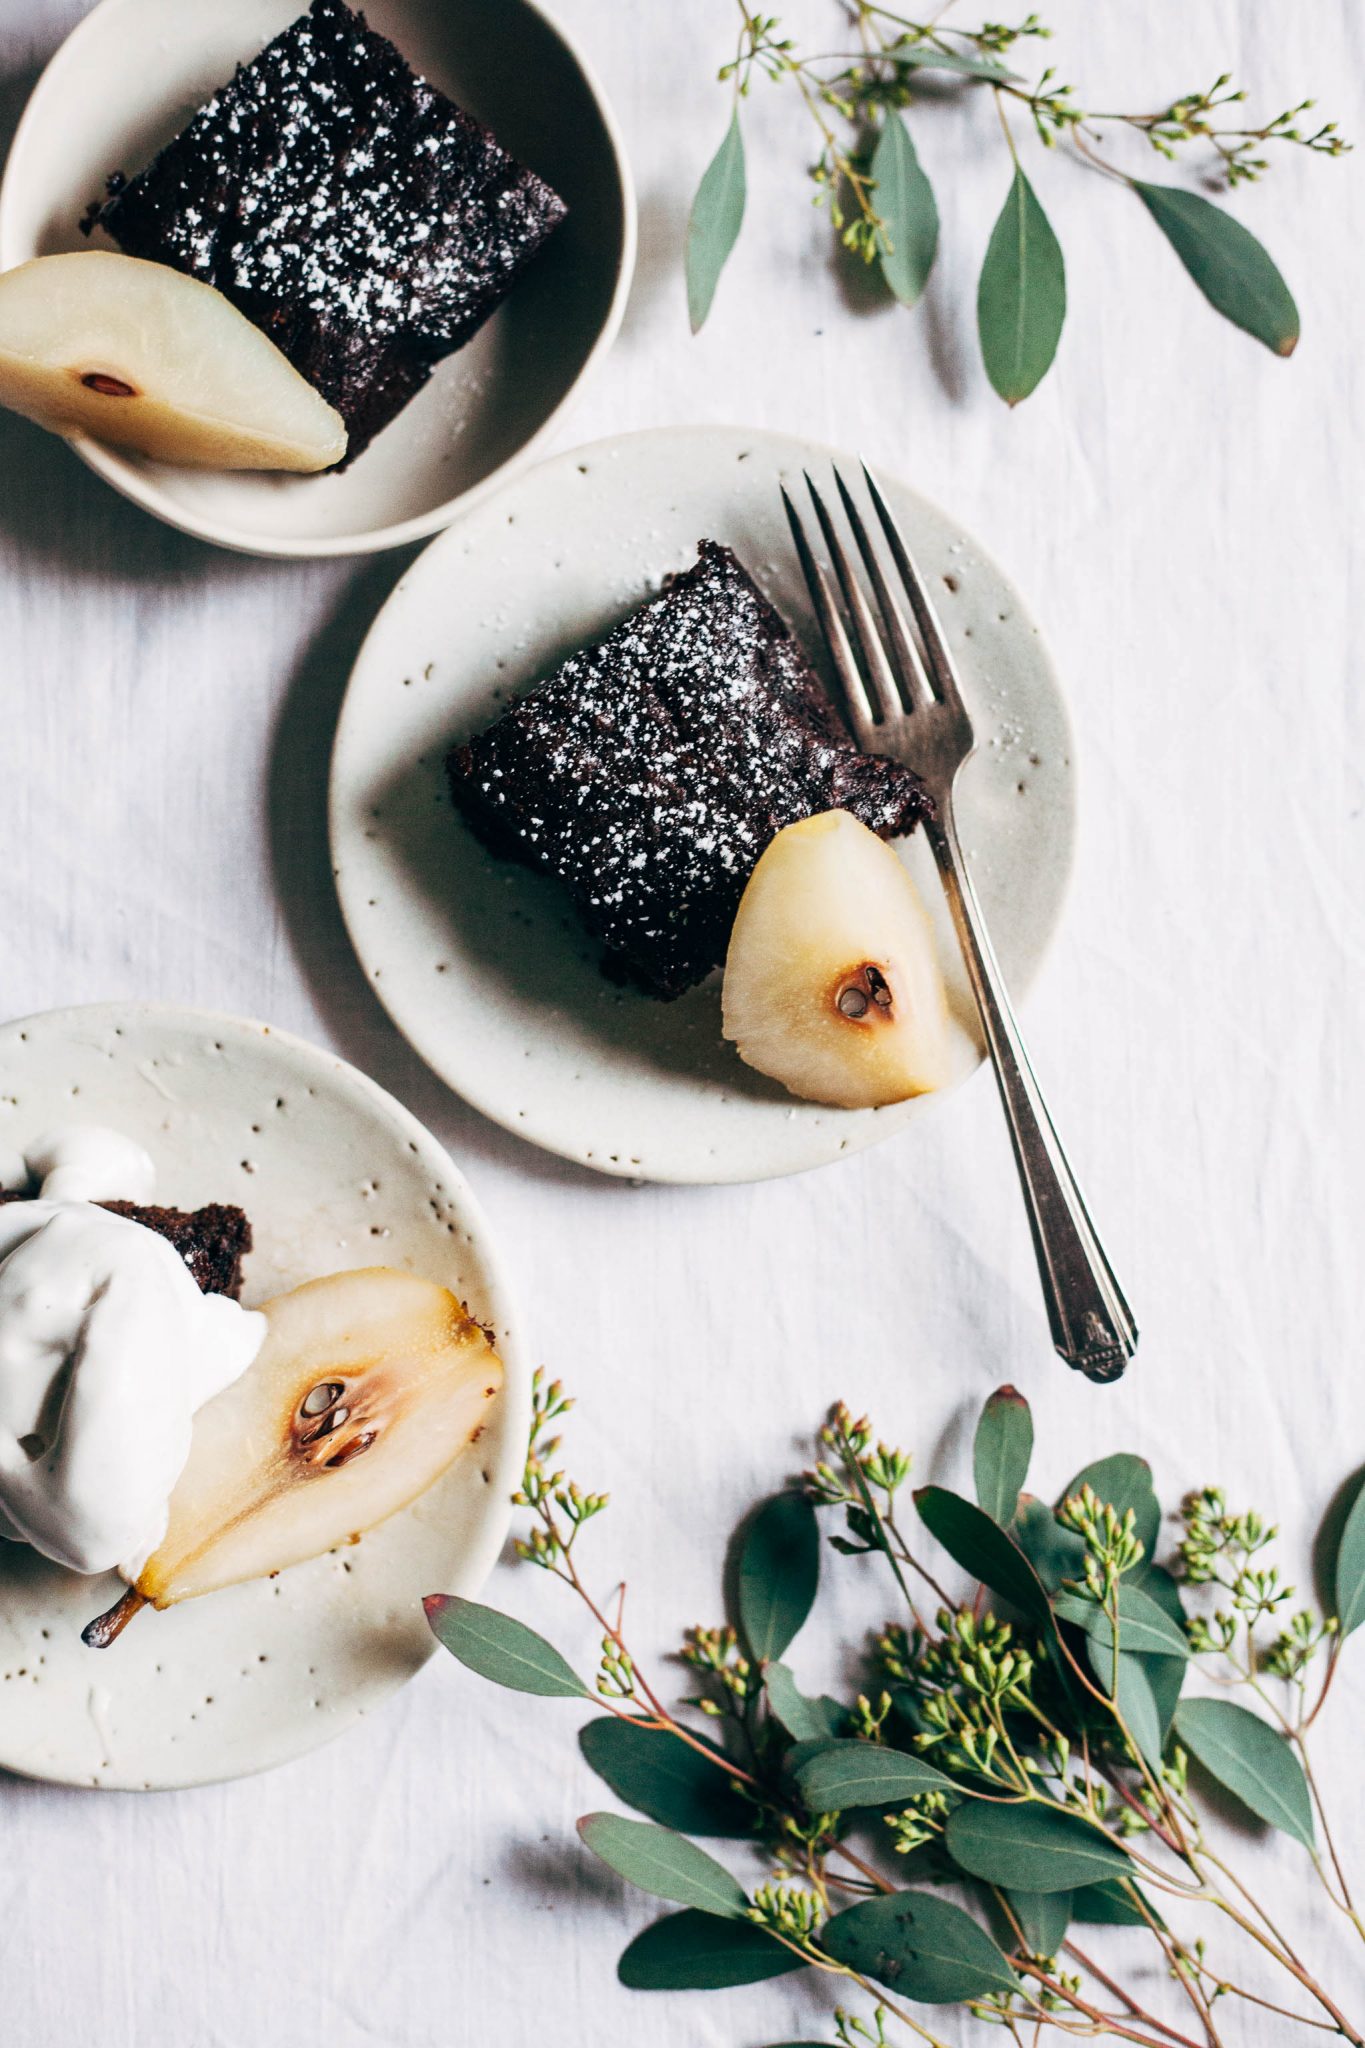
601	449
132	483
482	1556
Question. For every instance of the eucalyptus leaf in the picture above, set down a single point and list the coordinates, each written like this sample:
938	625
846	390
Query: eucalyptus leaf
1124	1481
1165	1675
1231	268
924	58
805	1720
714	224
779	1569
1159	1585
665	1778
1112	1904
1044	1918
921	1946
973	1540
694	1951
800	1754
1138	1706
1135	1698
1028	1847
1054	1552
1001	1452
501	1649
1021	298
905	204
1348	1579
664	1864
1251	1760
1165	1679
845	1774
1143	1625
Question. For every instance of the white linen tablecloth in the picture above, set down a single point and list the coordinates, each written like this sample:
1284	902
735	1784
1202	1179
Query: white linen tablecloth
1183	512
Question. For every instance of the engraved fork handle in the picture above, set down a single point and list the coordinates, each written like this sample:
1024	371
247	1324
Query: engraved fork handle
1092	1324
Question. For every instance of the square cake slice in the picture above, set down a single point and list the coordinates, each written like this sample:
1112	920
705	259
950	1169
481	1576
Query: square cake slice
212	1241
359	217
649	772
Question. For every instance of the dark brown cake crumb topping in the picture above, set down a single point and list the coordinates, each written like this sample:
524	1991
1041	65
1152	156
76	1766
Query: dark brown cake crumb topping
360	217
649	772
213	1241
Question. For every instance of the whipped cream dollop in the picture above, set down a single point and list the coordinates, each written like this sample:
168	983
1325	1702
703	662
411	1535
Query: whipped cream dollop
107	1351
87	1163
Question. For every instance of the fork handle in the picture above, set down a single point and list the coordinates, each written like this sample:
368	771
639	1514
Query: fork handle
1092	1324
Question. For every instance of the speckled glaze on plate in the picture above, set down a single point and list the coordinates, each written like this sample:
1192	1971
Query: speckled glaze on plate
484	967
334	1174
128	78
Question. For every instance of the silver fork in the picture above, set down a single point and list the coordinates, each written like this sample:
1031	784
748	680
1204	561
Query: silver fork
905	701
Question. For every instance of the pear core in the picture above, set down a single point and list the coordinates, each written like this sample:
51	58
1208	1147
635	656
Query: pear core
832	984
366	1389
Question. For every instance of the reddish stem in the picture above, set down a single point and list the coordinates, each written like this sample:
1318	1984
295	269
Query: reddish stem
108	1627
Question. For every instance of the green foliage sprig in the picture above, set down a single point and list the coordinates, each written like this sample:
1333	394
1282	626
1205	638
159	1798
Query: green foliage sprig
869	180
1028	1742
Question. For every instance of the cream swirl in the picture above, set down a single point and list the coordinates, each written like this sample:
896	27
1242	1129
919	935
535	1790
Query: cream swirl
89	1163
107	1350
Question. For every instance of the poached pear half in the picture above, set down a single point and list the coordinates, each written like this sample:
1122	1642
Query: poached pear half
367	1387
832	984
140	355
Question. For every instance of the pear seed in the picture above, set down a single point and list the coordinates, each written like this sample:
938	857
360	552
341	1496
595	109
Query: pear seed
353	1449
852	1002
328	1426
322	1397
107	386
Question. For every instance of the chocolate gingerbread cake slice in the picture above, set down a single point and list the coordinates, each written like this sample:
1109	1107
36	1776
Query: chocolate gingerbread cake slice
363	220
649	772
213	1241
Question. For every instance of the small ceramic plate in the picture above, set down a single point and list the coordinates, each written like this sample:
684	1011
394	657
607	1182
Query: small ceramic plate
484	967
128	79
333	1174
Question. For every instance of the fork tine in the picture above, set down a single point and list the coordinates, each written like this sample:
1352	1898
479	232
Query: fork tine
916	691
936	653
881	684
856	704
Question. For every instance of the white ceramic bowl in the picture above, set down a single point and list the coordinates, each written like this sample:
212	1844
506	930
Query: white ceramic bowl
126	80
484	967
334	1174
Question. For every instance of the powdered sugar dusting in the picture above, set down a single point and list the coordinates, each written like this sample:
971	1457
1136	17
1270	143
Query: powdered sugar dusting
344	204
650	772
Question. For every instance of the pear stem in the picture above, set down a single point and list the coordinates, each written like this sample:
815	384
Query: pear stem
106	1628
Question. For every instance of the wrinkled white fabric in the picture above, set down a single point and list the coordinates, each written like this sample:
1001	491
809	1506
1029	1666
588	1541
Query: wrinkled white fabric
1182	512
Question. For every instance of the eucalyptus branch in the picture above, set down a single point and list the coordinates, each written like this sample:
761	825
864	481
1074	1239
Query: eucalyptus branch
980	1743
1116	1990
868	180
1226	1550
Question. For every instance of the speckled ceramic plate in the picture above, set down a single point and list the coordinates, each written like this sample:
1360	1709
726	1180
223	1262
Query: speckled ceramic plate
484	967
129	77
334	1174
